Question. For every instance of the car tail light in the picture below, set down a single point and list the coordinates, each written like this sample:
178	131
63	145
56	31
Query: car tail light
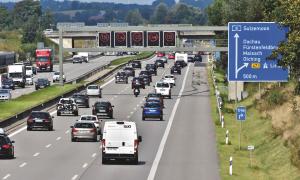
94	130
136	143
47	120
74	130
30	120
6	146
103	145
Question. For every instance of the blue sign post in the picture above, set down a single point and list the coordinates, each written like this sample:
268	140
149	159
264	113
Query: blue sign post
249	46
241	113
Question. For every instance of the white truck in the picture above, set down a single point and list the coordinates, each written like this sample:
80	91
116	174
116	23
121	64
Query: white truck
29	70
18	74
120	141
85	56
181	56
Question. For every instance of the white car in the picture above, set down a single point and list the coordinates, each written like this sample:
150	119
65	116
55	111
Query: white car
29	80
94	90
56	76
92	118
163	88
120	141
5	94
48	31
170	79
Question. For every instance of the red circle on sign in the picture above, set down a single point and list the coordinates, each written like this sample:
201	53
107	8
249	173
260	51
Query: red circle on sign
120	37
153	37
104	37
169	36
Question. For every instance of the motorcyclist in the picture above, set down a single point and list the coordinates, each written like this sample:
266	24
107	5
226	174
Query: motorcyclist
136	91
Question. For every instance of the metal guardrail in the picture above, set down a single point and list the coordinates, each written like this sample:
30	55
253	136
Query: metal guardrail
22	115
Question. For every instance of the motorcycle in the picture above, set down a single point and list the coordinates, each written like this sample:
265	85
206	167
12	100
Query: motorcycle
136	92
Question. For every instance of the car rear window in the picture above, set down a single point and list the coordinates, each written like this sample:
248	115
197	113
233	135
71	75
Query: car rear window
163	85
88	118
42	115
168	76
3	91
92	87
101	104
84	125
152	105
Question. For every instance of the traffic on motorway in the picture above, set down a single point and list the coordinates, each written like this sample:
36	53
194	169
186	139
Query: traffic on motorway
152	81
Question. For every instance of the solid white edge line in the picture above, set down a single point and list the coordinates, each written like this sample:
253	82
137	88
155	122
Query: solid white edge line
6	176
160	150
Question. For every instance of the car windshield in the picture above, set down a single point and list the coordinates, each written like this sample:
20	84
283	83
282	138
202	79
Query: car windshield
3	91
41	80
127	68
152	105
88	118
64	101
15	75
28	76
84	125
7	81
162	85
28	68
41	115
92	87
153	95
42	59
159	61
101	104
56	73
78	96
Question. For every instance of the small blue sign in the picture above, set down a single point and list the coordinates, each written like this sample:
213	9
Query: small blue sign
249	46
241	113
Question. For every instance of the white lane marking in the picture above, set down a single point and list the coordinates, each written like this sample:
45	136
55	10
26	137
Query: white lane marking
137	105
167	131
119	93
128	117
115	96
52	113
108	82
7	176
36	154
94	155
74	177
131	112
23	164
67	131
134	109
84	165
112	99
17	131
49	145
58	138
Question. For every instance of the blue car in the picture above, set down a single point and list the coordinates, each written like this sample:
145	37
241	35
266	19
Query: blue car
152	110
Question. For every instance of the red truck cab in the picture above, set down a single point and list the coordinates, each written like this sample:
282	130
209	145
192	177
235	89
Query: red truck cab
44	60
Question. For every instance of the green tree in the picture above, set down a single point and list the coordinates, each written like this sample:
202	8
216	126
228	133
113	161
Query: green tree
159	14
134	18
4	20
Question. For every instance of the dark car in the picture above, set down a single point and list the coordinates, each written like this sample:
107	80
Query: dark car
81	100
198	58
129	71
103	108
146	73
190	59
41	83
152	69
77	60
152	110
34	70
8	84
146	79
180	63
137	82
160	63
121	77
39	119
7	148
136	64
175	70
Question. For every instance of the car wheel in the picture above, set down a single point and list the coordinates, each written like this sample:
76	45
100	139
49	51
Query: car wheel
29	128
58	113
111	116
13	88
100	96
50	128
36	88
161	117
104	161
136	160
143	118
95	139
76	113
87	106
53	81
73	139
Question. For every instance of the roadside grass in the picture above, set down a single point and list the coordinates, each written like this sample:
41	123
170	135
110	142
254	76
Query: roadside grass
123	60
271	158
24	102
10	41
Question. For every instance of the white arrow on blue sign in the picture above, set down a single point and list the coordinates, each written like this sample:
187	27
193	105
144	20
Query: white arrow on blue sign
249	46
241	113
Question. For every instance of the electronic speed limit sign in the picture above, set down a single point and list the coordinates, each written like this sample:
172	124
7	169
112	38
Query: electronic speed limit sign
104	39
137	38
169	38
120	39
153	38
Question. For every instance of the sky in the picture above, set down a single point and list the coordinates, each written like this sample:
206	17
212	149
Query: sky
115	1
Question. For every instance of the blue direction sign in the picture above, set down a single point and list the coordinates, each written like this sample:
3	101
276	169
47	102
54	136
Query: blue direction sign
241	113
249	46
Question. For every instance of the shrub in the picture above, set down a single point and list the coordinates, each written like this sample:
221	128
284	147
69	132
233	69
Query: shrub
275	97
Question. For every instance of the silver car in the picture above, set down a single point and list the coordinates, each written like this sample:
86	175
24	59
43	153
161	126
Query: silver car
5	94
92	118
84	130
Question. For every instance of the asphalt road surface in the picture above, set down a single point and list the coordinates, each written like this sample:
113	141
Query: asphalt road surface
182	146
71	71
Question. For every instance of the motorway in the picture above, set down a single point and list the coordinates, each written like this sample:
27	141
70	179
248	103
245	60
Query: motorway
72	71
182	146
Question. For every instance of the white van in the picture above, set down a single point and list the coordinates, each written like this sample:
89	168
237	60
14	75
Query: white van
181	56
120	141
29	70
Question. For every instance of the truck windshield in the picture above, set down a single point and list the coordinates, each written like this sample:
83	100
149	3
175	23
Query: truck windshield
42	59
15	75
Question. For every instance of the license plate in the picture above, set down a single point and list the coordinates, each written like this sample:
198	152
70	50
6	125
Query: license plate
83	132
152	110
41	86
38	120
162	89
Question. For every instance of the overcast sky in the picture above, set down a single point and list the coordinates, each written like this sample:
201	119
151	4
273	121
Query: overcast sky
116	1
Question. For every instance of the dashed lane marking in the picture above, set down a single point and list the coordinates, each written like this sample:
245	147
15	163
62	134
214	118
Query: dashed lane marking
6	176
23	164
36	154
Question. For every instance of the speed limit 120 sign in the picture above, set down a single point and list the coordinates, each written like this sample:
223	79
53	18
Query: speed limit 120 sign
121	39
169	38
137	38
104	39
153	38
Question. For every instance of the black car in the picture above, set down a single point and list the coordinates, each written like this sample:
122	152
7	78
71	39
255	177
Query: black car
175	70
198	58
39	119
121	77
160	63
103	108
7	148
129	71
190	59
136	64
146	73
146	79
8	84
180	63
137	82
152	69
81	99
41	83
